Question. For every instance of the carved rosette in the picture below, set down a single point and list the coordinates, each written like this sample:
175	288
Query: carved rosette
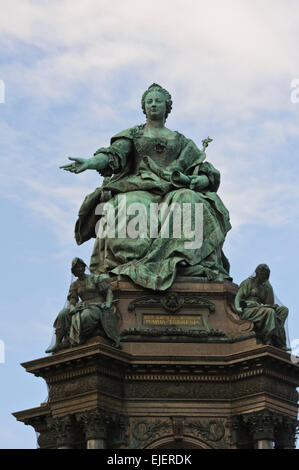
172	302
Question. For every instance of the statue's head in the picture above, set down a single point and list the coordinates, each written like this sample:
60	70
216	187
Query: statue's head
263	272
165	97
78	266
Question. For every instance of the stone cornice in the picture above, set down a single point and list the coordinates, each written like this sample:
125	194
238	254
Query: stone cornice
83	361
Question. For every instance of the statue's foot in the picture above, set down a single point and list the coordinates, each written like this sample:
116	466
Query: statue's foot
268	341
53	349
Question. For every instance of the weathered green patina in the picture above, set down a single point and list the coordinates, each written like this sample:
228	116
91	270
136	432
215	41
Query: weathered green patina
152	165
81	319
255	302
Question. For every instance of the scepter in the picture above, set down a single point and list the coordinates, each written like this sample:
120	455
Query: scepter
205	143
178	177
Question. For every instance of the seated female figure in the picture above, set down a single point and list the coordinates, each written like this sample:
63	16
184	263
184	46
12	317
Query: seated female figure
155	167
255	302
90	309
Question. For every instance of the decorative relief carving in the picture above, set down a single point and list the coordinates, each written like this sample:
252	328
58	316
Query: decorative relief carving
46	436
72	387
64	430
178	428
77	386
143	431
174	332
175	390
94	423
212	431
286	431
268	425
172	302
261	424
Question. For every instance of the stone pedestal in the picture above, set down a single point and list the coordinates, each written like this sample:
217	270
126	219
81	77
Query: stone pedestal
190	374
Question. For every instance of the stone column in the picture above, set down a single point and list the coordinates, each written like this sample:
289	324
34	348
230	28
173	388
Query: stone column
264	444
119	431
46	438
63	428
286	430
261	427
94	424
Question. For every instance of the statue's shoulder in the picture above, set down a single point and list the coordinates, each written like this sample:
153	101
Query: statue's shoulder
73	288
182	138
246	283
268	286
131	133
101	280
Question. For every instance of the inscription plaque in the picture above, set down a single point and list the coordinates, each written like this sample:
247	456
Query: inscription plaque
186	321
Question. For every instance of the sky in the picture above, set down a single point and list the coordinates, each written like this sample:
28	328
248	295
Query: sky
71	75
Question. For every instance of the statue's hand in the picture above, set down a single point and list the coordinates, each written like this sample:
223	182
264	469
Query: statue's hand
107	305
72	309
79	165
239	309
199	182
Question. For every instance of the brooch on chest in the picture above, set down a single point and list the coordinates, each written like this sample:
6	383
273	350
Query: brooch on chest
160	145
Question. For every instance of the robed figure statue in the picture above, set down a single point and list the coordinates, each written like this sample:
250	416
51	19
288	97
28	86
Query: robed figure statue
150	166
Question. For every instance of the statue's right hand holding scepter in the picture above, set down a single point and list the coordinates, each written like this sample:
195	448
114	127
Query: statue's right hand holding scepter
98	162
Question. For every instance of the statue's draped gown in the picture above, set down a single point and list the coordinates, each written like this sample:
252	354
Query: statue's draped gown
258	306
87	295
142	167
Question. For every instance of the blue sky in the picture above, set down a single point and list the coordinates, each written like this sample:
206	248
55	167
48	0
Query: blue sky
74	73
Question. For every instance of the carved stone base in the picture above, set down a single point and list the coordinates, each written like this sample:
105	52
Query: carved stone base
190	374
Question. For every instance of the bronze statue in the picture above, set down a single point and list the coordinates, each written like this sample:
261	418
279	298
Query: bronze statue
83	318
150	164
255	302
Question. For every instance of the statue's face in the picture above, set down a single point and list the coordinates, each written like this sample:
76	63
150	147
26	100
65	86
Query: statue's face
155	105
262	274
79	269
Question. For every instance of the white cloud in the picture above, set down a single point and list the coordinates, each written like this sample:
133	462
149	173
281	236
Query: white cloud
229	65
235	54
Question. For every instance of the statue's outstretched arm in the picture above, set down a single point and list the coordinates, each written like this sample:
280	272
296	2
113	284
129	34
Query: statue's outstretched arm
97	162
113	159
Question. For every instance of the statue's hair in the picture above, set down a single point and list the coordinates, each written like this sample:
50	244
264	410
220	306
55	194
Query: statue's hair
263	267
75	263
167	96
